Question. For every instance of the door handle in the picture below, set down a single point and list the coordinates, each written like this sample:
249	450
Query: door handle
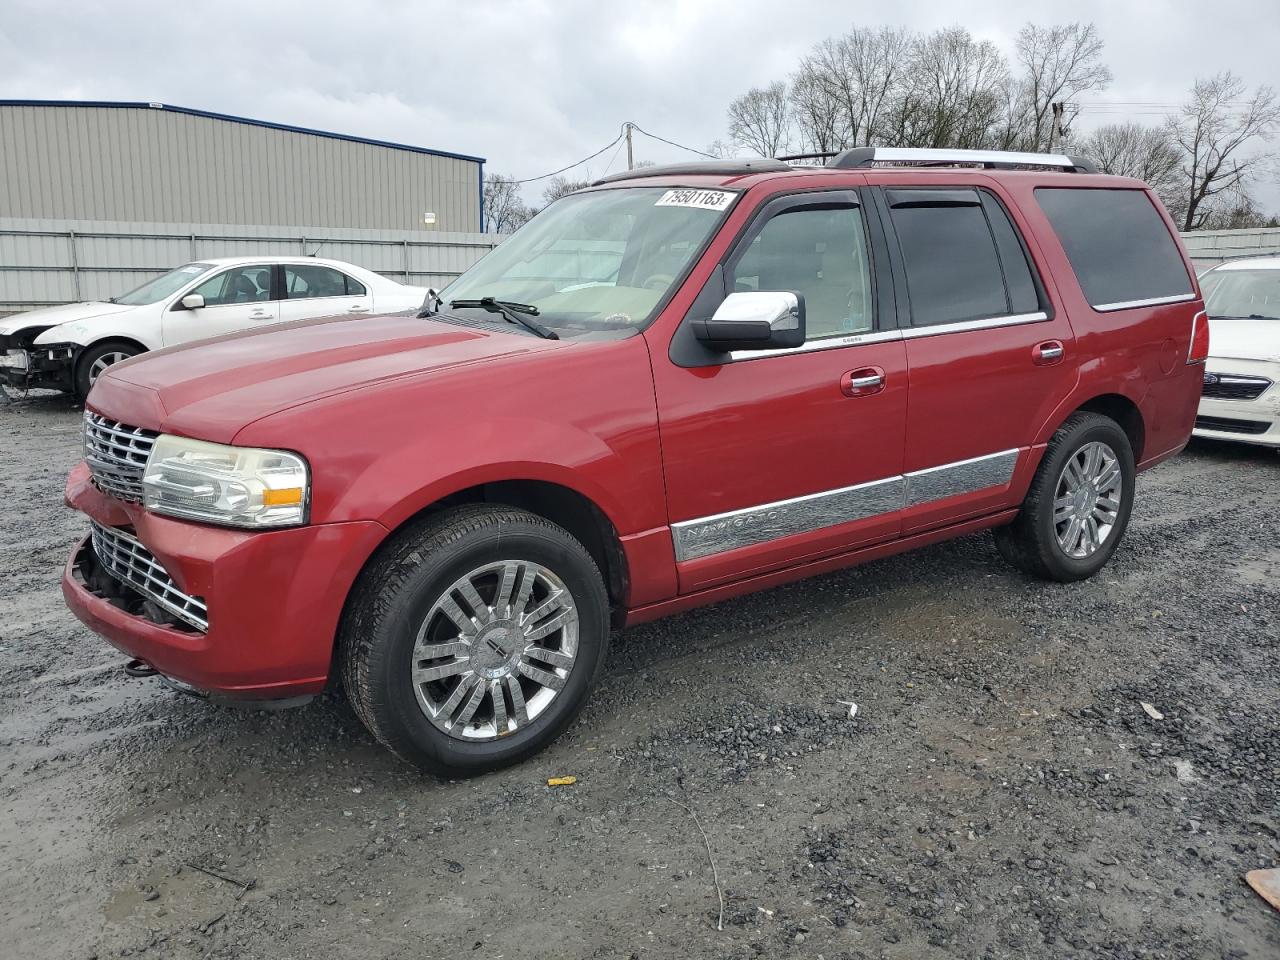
357	310
1048	352
862	382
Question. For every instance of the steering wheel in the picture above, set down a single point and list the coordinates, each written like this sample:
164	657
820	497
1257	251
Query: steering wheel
659	281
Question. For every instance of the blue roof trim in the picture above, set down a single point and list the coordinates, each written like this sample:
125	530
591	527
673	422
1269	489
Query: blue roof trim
210	115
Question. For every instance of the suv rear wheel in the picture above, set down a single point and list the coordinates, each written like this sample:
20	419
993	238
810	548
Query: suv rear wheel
474	639
1078	505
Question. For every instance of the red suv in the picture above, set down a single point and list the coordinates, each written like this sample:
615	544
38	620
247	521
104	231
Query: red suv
679	385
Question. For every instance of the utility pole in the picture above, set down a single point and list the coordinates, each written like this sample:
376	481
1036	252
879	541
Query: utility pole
1055	127
630	158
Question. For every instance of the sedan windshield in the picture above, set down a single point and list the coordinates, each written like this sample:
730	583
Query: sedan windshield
1250	294
597	261
155	290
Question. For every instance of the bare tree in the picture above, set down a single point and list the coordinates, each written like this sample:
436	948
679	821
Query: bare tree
1240	212
718	148
561	187
953	94
759	120
844	84
504	208
1132	150
816	108
1215	130
1058	63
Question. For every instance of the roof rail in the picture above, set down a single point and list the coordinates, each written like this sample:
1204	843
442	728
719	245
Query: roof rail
825	154
724	168
987	159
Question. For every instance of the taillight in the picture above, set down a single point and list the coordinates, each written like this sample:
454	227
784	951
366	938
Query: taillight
1199	351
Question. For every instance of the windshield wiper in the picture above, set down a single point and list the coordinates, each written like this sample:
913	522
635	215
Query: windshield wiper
521	314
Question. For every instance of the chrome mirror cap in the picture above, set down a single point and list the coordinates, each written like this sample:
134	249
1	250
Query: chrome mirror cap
754	320
780	309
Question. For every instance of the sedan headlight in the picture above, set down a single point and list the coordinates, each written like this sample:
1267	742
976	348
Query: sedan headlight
234	486
16	359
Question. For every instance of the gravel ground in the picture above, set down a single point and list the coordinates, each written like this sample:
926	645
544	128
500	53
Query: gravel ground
1001	793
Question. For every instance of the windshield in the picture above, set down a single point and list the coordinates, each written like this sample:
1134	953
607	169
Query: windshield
159	288
596	261
1253	294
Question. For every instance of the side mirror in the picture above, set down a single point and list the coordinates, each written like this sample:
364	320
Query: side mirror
768	320
192	301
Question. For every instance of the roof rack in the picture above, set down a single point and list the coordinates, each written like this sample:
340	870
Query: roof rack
987	159
809	156
724	168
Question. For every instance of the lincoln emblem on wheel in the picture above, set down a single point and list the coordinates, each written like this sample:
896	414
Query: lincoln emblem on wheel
670	388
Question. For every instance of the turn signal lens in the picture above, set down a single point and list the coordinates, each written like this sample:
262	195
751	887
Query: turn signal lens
281	498
1199	351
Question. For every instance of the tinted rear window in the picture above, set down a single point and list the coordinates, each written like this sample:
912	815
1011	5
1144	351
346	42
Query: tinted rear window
1118	245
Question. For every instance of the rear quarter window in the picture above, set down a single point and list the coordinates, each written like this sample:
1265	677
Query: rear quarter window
1118	244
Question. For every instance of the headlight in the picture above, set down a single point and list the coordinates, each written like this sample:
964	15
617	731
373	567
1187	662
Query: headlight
235	486
17	359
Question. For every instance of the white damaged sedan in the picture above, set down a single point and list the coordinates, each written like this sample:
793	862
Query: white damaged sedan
1241	401
67	347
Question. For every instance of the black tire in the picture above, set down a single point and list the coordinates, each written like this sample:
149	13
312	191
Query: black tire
398	589
1031	543
91	355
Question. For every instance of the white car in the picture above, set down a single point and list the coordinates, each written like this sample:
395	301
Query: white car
1241	400
67	347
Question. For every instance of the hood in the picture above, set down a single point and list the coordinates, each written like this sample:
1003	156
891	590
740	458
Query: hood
1244	339
210	390
54	316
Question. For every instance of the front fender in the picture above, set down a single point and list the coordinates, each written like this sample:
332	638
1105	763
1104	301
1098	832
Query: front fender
583	417
545	452
83	333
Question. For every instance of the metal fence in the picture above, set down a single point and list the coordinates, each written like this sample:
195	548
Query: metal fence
47	262
1208	247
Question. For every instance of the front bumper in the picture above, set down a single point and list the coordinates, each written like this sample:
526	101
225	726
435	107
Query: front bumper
274	597
1243	421
39	368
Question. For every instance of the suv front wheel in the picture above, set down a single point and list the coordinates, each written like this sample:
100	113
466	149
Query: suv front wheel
474	639
1079	503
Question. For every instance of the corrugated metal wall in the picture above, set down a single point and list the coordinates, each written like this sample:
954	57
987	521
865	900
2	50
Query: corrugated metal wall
170	166
1208	247
44	262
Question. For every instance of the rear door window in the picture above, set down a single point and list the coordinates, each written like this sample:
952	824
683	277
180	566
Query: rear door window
1119	246
962	258
304	282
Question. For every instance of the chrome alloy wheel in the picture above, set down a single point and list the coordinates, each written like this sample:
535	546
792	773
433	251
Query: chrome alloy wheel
1086	502
495	650
104	361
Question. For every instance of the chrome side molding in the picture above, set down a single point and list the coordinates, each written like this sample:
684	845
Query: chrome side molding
705	536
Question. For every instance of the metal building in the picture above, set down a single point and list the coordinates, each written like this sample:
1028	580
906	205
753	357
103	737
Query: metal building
155	163
96	198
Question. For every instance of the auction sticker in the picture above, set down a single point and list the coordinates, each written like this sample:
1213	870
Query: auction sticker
702	199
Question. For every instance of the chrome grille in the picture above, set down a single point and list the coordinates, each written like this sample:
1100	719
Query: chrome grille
1230	386
126	559
117	455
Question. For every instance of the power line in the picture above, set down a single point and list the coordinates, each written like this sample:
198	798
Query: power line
621	134
672	143
609	166
616	140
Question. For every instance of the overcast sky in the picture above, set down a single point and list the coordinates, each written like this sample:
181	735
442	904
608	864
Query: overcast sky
533	86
